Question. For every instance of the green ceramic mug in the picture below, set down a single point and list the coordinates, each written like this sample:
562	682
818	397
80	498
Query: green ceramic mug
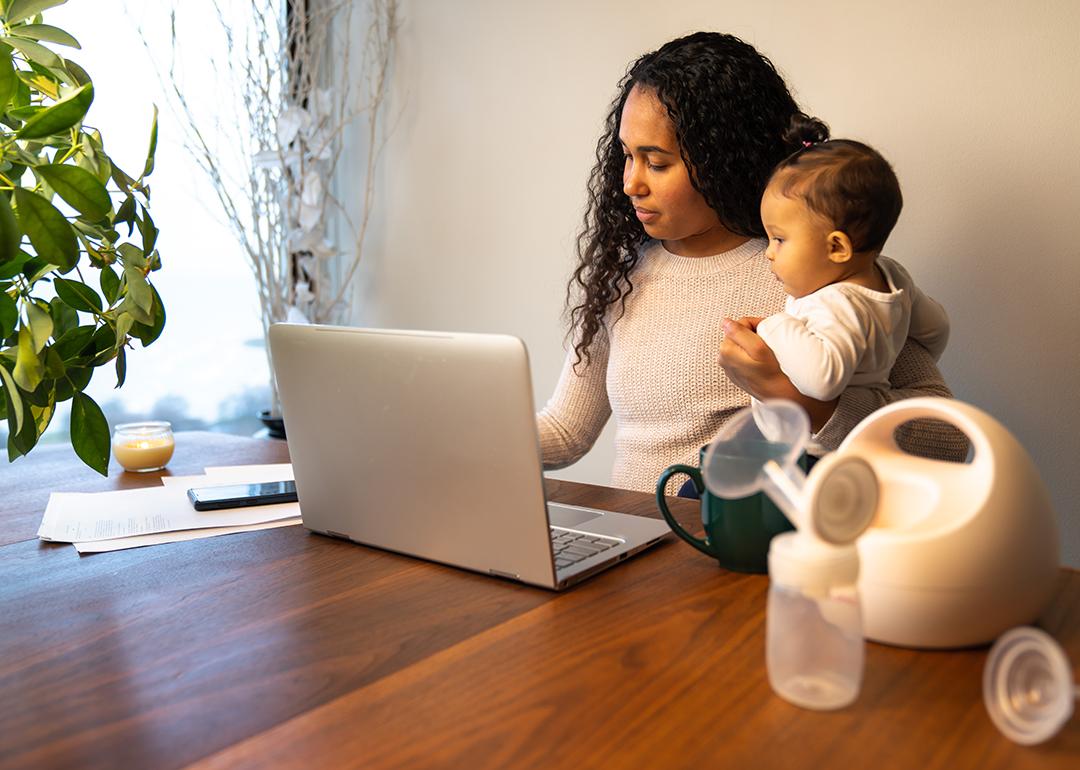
737	532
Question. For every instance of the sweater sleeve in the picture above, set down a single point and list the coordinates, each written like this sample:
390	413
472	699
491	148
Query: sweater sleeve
575	415
914	374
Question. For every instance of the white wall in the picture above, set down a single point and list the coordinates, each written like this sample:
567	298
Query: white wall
976	103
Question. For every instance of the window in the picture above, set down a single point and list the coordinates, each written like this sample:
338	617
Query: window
209	368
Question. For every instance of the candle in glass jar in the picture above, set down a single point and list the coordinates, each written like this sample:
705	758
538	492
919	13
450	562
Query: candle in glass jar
143	446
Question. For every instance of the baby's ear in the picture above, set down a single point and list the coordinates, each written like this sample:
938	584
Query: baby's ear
840	250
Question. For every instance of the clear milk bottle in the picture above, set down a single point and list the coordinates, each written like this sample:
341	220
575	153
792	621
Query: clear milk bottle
814	646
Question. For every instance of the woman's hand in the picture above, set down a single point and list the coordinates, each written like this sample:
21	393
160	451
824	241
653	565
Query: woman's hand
751	365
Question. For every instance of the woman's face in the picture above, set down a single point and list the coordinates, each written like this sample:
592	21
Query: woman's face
657	181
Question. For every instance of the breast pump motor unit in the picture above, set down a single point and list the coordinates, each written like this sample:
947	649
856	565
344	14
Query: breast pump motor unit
948	554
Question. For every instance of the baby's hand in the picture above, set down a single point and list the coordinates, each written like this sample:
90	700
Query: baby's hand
750	322
748	361
751	365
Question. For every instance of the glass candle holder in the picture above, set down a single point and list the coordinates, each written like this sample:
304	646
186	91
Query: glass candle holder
141	447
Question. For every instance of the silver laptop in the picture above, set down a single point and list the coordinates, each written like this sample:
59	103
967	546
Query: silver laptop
425	443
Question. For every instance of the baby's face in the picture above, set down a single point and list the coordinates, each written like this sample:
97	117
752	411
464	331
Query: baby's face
798	244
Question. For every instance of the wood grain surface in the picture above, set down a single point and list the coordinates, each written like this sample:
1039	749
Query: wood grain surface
280	648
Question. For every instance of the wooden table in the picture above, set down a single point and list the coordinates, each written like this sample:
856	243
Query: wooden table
280	648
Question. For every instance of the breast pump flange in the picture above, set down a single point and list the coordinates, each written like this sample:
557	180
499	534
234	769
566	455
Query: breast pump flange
954	554
758	450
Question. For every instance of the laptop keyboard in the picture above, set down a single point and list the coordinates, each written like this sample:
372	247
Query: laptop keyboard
571	547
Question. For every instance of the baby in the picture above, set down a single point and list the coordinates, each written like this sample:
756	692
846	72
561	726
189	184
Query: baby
827	211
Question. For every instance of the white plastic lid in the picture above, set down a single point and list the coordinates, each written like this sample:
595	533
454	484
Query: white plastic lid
802	561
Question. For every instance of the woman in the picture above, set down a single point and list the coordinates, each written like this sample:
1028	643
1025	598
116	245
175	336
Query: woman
670	252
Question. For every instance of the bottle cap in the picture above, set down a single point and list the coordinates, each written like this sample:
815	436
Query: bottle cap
804	562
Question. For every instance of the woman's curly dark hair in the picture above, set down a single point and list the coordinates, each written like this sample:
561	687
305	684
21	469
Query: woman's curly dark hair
730	110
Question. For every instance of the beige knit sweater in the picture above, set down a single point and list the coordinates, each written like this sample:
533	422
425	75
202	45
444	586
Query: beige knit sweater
658	372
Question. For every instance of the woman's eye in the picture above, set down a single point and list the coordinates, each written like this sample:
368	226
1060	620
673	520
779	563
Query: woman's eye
658	166
778	241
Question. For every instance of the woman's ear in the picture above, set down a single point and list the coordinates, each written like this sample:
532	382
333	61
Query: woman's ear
839	244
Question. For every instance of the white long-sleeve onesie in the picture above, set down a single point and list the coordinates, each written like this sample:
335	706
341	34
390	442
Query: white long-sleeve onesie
844	334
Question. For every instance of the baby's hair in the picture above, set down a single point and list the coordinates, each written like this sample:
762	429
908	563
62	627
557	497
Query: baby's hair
847	182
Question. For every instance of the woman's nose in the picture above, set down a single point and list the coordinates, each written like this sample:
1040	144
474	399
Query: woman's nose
633	184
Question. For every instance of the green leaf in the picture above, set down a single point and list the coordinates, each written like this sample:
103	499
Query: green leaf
15	266
104	339
138	289
28	369
102	166
132	255
46	32
124	182
126	212
22	95
60	116
22	442
147	333
36	268
149	167
144	317
42	395
43	415
90	433
24	113
74	343
10	234
20	10
75	380
110	284
48	230
121	367
79	188
16	400
9	315
8	82
34	52
123	326
148	231
54	365
64	317
41	325
39	82
78	295
77	72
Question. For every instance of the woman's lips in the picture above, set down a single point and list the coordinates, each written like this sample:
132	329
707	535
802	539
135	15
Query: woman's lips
645	216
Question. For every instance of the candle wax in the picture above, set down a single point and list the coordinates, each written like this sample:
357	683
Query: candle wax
144	454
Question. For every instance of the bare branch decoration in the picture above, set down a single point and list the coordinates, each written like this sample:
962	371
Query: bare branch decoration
297	91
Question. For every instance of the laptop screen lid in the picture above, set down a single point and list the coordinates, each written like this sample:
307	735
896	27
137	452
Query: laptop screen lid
418	442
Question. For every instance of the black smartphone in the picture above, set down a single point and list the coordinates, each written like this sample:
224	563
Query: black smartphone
240	495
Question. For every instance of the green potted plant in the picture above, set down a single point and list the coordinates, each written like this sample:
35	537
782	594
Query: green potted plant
77	243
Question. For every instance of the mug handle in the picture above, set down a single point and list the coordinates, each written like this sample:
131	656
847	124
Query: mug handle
661	503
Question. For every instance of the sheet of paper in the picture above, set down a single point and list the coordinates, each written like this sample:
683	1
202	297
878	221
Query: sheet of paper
252	473
79	517
138	541
232	474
